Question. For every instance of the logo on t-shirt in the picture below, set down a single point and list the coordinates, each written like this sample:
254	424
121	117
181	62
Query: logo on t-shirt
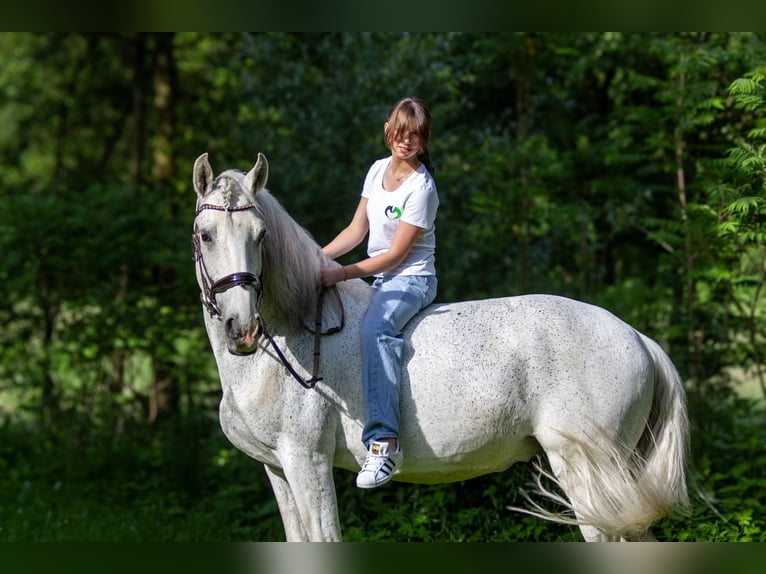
393	212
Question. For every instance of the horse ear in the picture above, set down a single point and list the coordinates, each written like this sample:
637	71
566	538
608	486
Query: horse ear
255	180
203	175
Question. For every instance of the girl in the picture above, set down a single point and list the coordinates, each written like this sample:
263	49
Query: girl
397	209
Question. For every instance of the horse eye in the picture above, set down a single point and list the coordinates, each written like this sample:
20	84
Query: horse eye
205	237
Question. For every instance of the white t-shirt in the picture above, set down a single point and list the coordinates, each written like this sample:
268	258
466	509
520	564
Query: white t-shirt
415	202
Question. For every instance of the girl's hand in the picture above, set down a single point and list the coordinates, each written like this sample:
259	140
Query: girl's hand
329	276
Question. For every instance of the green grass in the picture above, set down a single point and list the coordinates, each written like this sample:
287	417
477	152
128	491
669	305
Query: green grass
188	484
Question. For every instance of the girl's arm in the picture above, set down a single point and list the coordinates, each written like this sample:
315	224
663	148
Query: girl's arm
352	235
402	243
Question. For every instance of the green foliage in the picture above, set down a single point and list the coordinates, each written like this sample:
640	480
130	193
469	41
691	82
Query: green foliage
626	169
727	473
184	484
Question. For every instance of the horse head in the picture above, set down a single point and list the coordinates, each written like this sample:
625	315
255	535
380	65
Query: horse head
228	251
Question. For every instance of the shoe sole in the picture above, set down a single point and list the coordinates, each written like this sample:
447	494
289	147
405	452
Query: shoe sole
371	486
397	464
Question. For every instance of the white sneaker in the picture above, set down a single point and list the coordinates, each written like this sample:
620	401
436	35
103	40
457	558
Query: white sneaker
380	465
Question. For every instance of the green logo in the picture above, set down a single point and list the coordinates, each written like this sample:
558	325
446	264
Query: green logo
393	212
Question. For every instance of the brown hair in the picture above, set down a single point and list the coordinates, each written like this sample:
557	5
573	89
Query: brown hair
411	114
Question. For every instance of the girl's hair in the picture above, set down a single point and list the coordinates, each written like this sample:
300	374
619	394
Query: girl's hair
411	114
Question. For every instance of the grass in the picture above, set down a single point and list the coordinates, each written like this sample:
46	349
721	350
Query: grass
186	483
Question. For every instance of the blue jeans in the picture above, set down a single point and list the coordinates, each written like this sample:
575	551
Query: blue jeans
394	302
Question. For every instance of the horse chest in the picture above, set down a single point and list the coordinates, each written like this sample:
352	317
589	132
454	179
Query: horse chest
252	432
262	415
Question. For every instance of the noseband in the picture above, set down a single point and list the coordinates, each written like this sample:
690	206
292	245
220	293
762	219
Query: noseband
212	288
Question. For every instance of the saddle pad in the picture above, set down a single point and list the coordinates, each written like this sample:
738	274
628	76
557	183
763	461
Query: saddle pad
332	313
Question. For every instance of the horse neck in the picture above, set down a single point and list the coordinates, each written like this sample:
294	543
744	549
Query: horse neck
292	260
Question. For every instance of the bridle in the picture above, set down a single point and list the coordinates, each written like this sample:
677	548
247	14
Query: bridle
210	289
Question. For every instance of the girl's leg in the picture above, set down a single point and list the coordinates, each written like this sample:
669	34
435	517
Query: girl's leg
394	303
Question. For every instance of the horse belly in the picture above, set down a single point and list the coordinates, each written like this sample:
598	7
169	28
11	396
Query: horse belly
463	406
465	463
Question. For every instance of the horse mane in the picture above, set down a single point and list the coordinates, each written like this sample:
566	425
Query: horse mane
291	257
292	260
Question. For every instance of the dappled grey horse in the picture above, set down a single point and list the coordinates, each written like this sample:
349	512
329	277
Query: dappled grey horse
486	383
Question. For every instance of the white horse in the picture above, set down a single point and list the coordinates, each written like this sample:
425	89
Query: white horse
486	383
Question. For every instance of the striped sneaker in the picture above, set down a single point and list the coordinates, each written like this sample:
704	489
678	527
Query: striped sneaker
380	465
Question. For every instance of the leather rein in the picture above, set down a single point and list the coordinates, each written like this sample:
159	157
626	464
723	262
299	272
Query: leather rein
210	289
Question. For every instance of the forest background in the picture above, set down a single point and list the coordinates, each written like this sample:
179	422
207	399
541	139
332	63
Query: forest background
623	169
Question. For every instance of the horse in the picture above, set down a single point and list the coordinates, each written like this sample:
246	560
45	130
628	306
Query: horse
485	383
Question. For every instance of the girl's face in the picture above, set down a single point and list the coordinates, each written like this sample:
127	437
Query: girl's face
404	143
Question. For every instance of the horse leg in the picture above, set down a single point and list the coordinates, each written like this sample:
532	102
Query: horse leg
573	490
288	509
598	480
309	474
647	536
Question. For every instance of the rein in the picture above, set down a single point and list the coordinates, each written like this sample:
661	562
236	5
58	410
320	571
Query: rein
212	288
315	378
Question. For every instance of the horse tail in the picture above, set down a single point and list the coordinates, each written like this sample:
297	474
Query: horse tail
665	442
621	490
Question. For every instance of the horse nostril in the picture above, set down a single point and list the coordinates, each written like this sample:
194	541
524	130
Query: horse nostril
232	328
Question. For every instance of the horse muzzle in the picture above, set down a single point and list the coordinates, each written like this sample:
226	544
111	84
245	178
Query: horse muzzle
241	336
243	339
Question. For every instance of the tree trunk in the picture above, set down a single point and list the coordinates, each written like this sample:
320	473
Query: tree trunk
694	335
164	398
138	90
164	100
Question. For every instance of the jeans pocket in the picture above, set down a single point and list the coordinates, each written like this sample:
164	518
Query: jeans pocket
426	285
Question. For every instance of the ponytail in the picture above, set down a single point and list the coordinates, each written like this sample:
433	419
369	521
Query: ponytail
425	159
